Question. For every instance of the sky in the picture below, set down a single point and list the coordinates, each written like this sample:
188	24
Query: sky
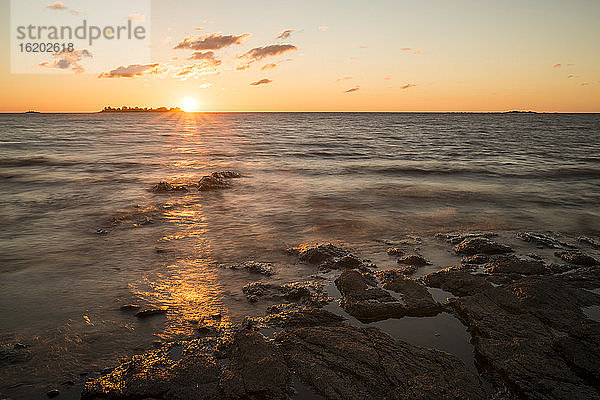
327	55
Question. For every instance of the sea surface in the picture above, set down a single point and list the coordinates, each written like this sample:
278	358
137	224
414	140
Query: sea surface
82	233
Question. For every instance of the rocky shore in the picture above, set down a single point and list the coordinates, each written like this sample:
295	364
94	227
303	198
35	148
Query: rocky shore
532	314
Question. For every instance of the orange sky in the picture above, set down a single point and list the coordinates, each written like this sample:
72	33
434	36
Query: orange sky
388	56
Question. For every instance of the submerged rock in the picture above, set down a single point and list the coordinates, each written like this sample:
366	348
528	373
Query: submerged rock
217	180
255	267
480	245
16	354
287	317
577	258
543	240
395	251
459	283
307	293
345	362
456	238
166	187
151	312
476	259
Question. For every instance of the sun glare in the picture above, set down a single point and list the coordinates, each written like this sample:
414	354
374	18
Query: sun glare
189	105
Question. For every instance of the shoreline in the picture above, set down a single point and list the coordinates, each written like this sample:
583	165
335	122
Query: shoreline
544	290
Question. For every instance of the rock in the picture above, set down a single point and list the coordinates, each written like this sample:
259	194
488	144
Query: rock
129	307
414	260
514	265
217	180
513	329
166	187
226	174
256	267
459	283
577	258
151	312
543	240
476	259
589	241
480	246
52	393
158	375
395	251
456	238
294	318
345	362
368	303
16	354
408	270
327	256
307	293
206	330
256	370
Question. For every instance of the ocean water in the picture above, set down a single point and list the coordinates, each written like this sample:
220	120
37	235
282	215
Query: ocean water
353	178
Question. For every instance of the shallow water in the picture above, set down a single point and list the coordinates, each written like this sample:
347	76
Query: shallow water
352	178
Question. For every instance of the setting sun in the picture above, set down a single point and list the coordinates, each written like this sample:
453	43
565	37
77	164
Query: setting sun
189	104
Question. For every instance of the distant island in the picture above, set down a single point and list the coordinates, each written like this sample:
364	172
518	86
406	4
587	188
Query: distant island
126	109
32	112
521	112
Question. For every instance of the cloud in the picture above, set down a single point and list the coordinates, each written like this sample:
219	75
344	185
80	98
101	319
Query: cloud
205	85
557	66
345	78
406	48
129	71
208	57
363	46
408	85
268	66
261	82
413	51
258	53
570	76
354	89
285	34
387	77
323	28
68	60
56	6
213	41
584	84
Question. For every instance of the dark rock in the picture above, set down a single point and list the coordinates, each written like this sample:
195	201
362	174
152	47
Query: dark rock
216	316
589	241
151	312
369	303
52	393
307	293
577	258
407	270
206	330
456	238
395	251
159	376
101	231
481	246
459	283
208	182
414	260
476	259
256	267
226	174
256	370
20	346
15	354
515	265
166	187
327	256
345	362
514	327
294	318
543	240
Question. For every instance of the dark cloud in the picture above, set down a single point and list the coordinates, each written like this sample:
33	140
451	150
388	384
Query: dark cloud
261	82
408	85
285	34
354	89
68	60
207	57
345	78
129	71
557	66
259	53
213	41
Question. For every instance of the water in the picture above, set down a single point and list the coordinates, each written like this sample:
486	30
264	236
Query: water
352	178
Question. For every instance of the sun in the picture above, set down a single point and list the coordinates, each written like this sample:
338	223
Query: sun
189	104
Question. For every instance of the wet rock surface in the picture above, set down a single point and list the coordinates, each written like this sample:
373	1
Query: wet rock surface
344	362
413	260
327	256
577	258
365	301
480	245
167	187
307	293
217	180
459	283
515	265
543	240
255	267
